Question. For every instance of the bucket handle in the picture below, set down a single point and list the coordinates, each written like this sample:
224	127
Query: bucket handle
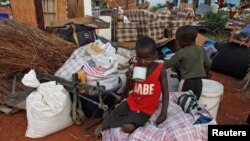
221	97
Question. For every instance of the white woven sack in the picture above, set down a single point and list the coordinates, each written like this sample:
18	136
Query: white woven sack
48	108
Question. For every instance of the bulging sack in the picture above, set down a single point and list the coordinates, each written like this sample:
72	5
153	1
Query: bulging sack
48	108
78	33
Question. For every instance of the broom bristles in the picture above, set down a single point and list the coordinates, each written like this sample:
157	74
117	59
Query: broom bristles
23	47
246	83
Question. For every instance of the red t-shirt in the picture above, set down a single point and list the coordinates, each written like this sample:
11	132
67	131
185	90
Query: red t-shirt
145	95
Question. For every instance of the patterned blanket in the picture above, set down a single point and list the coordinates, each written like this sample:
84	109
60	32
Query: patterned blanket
179	126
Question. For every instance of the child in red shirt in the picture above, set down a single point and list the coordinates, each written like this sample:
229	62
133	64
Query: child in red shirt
144	97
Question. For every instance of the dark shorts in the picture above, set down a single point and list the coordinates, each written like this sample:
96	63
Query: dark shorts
194	84
122	114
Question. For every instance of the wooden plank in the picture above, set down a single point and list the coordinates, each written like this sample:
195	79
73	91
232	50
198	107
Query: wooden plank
87	20
75	8
4	91
5	10
6	87
61	7
39	13
2	99
49	11
24	10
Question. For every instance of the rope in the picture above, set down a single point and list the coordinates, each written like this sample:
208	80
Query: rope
77	113
75	35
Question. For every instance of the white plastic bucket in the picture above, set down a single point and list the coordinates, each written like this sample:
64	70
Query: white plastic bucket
211	95
173	83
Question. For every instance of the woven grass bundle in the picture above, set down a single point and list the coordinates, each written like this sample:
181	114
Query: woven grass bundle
246	83
23	47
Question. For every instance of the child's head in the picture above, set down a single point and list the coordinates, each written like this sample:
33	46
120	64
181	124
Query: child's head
186	35
145	51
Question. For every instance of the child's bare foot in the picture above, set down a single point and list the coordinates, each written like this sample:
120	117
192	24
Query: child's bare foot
128	128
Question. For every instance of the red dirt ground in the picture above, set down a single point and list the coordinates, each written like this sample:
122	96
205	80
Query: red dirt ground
234	109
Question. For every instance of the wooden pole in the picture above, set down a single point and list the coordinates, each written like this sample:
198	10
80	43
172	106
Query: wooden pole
126	4
39	13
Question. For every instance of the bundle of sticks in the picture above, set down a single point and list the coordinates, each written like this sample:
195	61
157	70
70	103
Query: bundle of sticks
246	83
23	47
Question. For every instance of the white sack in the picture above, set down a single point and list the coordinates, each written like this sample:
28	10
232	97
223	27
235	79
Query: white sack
48	108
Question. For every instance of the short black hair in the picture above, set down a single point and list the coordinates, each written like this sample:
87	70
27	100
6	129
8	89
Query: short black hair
146	42
186	33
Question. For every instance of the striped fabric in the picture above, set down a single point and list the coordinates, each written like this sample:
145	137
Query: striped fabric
155	33
132	25
179	126
180	23
148	25
156	24
166	19
124	35
176	24
171	21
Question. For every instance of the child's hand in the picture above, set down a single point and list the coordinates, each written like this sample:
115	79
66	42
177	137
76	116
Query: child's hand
129	73
161	118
